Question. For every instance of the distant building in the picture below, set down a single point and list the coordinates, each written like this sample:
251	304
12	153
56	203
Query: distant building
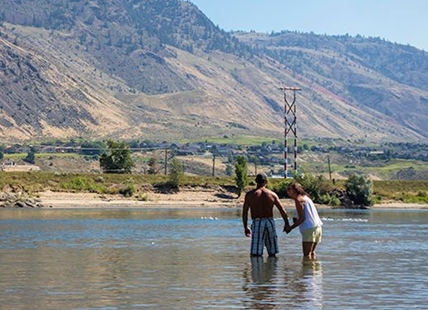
10	165
376	153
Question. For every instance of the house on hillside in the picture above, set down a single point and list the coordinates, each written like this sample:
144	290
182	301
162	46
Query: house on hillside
8	163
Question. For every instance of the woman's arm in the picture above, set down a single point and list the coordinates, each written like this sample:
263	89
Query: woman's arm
299	203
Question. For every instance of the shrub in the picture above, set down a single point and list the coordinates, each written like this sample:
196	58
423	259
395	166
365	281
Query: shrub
330	200
128	190
422	194
335	201
325	199
82	184
99	179
143	197
176	173
359	189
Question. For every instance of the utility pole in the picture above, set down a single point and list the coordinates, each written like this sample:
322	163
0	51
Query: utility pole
290	124
166	161
213	174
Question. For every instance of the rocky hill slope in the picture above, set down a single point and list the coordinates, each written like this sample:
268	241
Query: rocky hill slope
162	70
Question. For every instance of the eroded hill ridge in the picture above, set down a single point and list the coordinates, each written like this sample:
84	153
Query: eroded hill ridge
163	71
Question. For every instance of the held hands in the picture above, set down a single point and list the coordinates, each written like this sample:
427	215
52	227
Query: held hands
287	227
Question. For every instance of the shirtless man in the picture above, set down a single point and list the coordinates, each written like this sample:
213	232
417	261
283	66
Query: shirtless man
261	201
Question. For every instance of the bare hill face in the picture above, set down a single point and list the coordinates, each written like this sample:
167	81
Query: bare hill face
161	70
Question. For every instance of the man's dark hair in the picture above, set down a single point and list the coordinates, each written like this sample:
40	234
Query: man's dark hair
261	178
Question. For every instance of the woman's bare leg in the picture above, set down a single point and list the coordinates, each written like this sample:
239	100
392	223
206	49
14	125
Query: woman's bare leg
307	248
314	245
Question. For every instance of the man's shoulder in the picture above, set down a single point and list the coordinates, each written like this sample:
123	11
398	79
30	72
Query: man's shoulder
268	191
250	192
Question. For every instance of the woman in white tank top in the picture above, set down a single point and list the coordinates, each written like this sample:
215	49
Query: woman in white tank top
308	220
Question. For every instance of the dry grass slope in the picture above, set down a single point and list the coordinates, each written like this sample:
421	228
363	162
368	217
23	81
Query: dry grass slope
59	84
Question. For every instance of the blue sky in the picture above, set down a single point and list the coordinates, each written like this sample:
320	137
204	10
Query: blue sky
399	21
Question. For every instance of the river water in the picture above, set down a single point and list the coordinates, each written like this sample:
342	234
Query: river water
198	259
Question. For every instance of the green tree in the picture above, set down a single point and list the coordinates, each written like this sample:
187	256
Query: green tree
229	170
230	159
117	158
153	166
256	161
359	189
31	156
241	176
176	173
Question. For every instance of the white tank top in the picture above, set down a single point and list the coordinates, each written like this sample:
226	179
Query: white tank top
312	218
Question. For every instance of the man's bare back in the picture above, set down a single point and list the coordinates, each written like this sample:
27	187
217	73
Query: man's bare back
261	202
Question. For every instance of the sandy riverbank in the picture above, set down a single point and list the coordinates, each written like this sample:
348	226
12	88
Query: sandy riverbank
182	199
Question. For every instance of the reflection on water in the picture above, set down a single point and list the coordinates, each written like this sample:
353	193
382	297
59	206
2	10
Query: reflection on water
261	288
263	271
199	259
270	282
312	279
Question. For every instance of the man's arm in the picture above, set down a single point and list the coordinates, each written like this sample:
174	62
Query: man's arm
282	211
245	209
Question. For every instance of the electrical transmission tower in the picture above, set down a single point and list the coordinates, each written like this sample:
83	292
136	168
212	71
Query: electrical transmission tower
290	132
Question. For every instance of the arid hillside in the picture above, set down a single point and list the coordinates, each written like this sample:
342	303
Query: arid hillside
164	72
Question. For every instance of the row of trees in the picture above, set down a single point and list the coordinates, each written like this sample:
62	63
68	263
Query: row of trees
356	192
